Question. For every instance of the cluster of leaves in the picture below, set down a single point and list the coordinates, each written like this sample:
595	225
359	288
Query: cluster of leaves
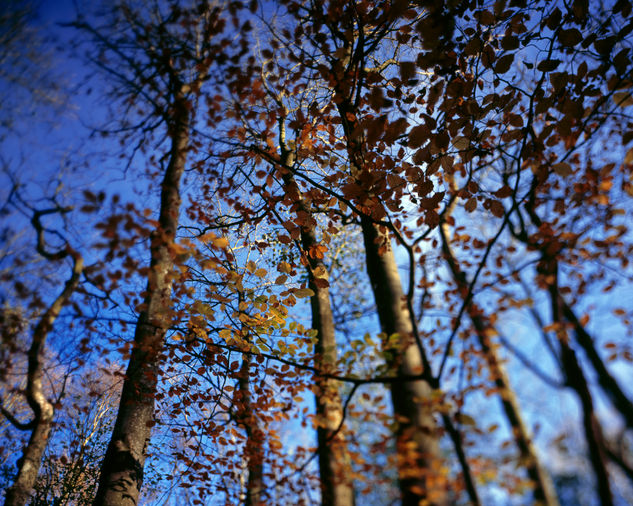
485	147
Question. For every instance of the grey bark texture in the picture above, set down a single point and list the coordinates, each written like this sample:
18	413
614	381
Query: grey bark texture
122	469
334	464
412	400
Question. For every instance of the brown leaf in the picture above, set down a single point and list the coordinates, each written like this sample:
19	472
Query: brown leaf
548	65
570	37
418	135
504	63
407	70
623	98
562	169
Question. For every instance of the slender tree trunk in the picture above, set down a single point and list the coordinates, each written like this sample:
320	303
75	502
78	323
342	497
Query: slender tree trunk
29	464
574	375
593	431
544	490
608	383
254	438
122	469
418	463
575	378
456	437
334	464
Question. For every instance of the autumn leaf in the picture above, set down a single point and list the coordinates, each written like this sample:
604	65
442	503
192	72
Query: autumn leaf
284	267
504	63
570	37
623	98
562	169
303	292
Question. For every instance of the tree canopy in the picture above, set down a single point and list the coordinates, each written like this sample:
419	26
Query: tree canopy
341	252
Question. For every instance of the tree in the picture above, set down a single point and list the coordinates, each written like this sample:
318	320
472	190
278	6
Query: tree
41	406
457	151
172	58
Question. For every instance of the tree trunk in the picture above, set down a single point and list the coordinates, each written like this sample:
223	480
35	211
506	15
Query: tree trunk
593	431
575	378
608	383
122	469
544	490
469	481
418	463
334	465
254	438
417	435
29	464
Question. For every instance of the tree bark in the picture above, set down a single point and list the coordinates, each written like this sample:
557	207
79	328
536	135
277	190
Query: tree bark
43	410
122	469
418	463
469	482
334	465
575	378
254	438
417	435
593	431
608	383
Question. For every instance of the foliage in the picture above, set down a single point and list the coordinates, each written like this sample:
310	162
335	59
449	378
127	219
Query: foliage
415	213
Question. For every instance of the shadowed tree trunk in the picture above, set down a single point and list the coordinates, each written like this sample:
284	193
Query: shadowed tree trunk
168	53
254	437
419	463
411	400
608	383
575	379
548	279
458	444
356	38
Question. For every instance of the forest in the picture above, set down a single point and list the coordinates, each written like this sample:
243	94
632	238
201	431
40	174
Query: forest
335	252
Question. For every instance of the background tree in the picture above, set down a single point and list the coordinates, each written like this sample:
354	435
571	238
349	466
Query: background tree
41	405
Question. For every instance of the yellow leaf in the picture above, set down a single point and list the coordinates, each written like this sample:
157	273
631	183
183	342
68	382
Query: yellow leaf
465	419
303	292
260	273
284	267
220	242
623	98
